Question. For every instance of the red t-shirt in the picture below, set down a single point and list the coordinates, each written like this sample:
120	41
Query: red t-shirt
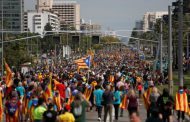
61	88
140	87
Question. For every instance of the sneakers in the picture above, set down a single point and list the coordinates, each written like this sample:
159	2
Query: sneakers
99	119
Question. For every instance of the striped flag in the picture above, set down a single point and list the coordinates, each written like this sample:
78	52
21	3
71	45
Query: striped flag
8	80
146	96
181	102
123	104
48	92
83	63
57	100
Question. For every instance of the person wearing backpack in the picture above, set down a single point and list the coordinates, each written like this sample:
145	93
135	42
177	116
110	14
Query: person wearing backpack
165	104
12	110
79	106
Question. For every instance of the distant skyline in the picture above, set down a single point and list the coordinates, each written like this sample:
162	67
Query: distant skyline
115	14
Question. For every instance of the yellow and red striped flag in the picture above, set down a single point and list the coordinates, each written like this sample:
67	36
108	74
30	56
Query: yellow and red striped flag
48	92
8	80
57	100
146	96
181	102
123	104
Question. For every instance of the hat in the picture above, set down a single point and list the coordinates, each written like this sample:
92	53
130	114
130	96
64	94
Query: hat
67	107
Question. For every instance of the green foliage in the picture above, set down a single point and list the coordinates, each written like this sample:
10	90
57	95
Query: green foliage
109	39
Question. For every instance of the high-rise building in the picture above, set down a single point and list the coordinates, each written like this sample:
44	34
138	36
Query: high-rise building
149	19
68	12
35	21
44	5
13	11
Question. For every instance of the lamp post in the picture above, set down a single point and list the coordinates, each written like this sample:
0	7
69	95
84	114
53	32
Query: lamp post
170	59
180	43
2	68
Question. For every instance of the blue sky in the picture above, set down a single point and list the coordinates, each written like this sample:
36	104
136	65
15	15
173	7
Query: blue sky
115	14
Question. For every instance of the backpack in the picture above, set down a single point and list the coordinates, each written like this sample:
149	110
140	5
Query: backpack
78	110
12	108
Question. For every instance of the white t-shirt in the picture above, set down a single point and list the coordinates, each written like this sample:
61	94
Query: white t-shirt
68	91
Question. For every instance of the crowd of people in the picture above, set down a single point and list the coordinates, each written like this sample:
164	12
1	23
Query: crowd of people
116	81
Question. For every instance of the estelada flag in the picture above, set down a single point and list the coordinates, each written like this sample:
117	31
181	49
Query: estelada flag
181	102
146	96
57	100
48	91
1	107
123	104
8	79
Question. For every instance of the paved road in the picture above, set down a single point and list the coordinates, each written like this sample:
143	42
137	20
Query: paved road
92	116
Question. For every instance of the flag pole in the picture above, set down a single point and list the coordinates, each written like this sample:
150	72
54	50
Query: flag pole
89	70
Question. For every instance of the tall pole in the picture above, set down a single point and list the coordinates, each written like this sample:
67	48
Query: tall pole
187	46
2	68
170	59
161	37
180	44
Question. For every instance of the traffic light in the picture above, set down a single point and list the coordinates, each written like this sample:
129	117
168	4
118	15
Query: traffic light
95	39
56	39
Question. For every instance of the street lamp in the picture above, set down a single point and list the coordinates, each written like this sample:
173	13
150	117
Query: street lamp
2	68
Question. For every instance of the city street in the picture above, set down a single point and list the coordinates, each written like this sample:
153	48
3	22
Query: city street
92	116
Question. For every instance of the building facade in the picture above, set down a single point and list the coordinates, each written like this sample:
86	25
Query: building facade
149	19
35	21
13	11
44	5
68	12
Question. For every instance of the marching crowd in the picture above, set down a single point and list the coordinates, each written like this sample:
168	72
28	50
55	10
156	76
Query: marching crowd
60	93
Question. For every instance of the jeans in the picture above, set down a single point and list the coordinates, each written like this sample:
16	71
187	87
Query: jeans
108	109
116	107
99	108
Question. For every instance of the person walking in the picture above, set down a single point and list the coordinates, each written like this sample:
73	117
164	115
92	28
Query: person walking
66	116
181	103
165	104
132	102
39	111
79	106
108	99
153	99
117	101
50	115
97	100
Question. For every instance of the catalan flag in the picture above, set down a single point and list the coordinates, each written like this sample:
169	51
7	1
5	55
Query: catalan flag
57	100
8	80
83	63
123	104
48	92
181	102
146	96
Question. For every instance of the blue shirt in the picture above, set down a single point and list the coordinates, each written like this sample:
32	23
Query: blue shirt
20	89
98	94
117	96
